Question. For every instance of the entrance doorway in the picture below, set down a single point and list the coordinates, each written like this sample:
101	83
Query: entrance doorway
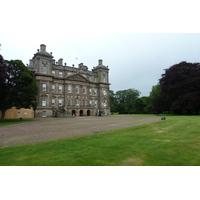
81	113
88	113
73	113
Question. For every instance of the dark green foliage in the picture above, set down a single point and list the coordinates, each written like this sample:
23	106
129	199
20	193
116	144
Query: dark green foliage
155	92
139	106
18	86
113	101
125	100
180	89
147	105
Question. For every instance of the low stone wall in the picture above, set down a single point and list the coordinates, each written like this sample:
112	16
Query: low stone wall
14	113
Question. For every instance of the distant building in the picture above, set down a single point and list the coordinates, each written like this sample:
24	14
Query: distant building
69	91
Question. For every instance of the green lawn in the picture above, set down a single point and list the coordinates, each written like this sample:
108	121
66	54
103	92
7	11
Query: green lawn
174	142
8	122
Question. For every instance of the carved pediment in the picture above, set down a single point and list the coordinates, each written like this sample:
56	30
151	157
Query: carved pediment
77	77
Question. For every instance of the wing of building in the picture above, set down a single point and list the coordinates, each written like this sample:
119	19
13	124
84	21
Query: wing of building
69	91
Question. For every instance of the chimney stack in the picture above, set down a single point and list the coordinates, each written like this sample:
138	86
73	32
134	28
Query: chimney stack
100	62
60	62
43	47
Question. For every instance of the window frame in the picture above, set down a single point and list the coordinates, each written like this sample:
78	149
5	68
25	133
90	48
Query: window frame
60	74
60	88
44	87
77	89
53	102
44	102
60	102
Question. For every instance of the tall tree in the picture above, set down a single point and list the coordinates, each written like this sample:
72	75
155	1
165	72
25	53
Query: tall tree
17	86
125	100
155	92
113	101
139	106
147	105
180	89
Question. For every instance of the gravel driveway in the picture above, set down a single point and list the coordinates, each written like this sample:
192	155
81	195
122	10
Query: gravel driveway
48	129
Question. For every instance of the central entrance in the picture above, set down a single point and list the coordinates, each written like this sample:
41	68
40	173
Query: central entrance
81	113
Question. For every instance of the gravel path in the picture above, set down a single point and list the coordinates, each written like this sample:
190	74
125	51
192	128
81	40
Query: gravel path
49	129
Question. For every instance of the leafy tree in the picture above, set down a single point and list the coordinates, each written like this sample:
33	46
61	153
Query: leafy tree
146	102
113	101
139	106
17	86
155	91
125	100
152	97
180	89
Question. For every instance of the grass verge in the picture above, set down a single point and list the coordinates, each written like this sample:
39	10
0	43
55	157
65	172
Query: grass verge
174	142
8	122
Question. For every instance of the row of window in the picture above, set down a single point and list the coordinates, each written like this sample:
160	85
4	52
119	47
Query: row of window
77	88
60	74
44	71
70	102
73	113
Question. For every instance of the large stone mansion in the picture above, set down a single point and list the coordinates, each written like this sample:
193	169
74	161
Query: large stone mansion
67	90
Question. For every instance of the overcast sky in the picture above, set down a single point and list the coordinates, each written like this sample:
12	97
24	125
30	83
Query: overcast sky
108	30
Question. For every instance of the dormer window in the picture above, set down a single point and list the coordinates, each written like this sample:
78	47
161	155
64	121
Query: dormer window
53	73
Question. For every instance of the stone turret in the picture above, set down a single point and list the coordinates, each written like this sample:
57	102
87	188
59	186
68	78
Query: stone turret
102	72
43	47
100	62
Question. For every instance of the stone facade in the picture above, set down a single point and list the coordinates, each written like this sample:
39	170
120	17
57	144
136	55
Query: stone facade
66	91
15	113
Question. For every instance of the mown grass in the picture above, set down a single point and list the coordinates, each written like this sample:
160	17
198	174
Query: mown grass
8	122
174	142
